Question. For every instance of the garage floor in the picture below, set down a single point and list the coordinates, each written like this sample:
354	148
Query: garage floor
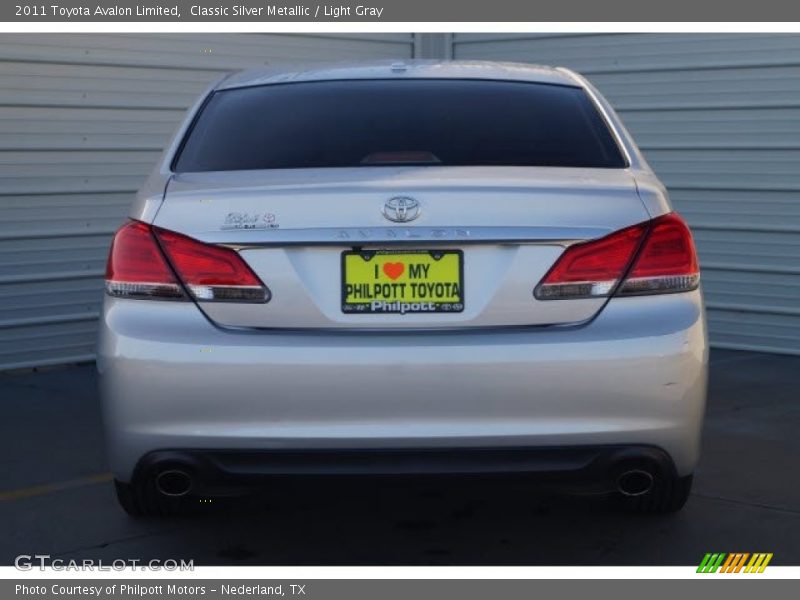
55	496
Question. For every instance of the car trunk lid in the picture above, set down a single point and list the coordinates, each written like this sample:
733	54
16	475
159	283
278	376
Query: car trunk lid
504	227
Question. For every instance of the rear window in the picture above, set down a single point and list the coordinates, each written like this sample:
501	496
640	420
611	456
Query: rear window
398	122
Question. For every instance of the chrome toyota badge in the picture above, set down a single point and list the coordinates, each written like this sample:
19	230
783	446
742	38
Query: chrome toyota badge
401	209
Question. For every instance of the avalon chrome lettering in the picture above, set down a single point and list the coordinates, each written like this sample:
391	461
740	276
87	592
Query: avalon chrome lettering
247	237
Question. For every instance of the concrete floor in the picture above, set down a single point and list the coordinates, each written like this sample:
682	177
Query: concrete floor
55	498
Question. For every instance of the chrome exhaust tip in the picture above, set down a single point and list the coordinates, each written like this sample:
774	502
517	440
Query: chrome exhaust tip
634	482
173	482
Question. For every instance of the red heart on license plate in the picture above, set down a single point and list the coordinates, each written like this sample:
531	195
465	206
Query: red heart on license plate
393	270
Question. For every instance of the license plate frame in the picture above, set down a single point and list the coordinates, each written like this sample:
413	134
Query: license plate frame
408	302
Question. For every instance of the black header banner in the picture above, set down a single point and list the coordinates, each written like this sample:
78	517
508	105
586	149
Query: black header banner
376	11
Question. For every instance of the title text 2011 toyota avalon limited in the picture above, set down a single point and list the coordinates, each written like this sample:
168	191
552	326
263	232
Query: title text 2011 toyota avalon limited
422	267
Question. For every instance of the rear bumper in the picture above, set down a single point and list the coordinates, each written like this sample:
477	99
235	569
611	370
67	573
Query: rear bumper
588	468
635	376
234	465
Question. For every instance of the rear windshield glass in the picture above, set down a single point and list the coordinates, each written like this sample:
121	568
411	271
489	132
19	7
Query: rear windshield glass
409	122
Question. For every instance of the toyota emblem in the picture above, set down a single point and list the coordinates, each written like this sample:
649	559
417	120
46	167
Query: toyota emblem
401	209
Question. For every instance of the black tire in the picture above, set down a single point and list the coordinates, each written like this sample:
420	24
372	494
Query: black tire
667	496
144	501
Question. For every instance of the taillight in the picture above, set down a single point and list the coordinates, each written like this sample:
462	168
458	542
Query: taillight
657	256
666	263
591	269
145	260
211	273
136	268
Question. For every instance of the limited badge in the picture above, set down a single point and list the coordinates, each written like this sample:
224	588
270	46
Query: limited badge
246	220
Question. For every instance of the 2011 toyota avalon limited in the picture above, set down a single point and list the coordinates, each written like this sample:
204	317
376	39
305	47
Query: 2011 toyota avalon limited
397	268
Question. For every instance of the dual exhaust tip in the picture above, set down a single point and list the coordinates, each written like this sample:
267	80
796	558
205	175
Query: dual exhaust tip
635	482
174	482
177	482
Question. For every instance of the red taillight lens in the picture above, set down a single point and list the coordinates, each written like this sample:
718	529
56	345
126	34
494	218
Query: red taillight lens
658	257
667	261
211	273
136	268
591	269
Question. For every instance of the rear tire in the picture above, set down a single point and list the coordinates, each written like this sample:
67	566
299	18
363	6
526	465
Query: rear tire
667	496
143	500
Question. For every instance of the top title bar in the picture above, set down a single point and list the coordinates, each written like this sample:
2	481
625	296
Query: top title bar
442	11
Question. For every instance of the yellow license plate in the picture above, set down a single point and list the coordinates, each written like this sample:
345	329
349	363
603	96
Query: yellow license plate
403	281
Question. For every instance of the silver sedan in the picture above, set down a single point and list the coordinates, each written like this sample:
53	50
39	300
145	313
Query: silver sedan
394	268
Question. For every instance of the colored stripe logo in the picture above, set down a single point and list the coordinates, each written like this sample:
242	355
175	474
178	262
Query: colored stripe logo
736	562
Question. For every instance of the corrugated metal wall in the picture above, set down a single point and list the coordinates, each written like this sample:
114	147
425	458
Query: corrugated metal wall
82	120
718	117
83	117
